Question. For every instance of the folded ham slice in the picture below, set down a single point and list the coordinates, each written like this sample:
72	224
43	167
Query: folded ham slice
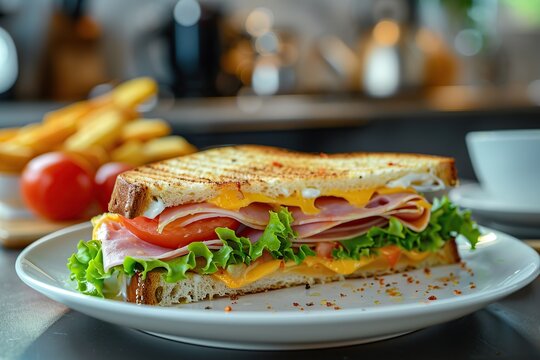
337	220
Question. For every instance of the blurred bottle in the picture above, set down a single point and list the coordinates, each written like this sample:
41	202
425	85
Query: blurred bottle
195	49
74	63
399	56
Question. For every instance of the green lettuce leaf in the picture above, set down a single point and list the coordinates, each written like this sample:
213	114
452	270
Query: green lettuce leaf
86	267
446	221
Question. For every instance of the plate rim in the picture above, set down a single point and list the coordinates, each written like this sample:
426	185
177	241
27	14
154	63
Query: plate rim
456	195
253	317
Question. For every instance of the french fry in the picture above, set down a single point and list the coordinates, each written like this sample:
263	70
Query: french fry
70	114
14	156
44	137
134	92
145	129
94	156
8	133
167	147
103	131
130	152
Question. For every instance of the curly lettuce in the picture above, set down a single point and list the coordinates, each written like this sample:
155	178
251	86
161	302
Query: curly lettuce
446	221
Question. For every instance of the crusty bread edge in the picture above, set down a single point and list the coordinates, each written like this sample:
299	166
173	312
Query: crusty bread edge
144	291
131	199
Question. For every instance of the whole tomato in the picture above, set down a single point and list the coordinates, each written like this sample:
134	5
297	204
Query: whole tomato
105	180
56	186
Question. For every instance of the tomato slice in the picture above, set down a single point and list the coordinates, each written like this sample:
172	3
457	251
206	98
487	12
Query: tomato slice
392	254
176	236
324	249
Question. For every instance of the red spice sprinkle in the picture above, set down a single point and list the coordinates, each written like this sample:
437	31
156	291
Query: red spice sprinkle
427	271
432	297
410	279
295	304
328	303
228	308
457	292
404	275
390	164
337	308
277	164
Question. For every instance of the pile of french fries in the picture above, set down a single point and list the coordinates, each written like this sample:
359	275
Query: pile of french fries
99	130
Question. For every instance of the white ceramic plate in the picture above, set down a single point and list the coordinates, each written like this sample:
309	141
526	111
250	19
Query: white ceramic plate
472	196
342	313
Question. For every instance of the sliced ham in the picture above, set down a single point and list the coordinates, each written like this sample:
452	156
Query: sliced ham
337	220
255	215
117	242
345	231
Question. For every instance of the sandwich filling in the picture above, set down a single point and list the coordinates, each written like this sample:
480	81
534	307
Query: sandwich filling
239	238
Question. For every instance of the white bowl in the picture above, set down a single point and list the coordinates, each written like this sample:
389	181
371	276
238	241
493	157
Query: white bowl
507	164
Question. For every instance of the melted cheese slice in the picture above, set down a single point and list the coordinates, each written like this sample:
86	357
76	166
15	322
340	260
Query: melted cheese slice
311	266
234	199
251	274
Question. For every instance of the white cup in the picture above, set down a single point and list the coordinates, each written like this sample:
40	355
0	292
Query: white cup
507	164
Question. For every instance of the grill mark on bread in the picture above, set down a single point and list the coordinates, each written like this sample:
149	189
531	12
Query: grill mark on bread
201	176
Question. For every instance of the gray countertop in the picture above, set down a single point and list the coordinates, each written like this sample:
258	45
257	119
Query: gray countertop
288	112
34	327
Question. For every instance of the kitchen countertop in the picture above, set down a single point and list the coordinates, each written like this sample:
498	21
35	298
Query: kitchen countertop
34	327
289	112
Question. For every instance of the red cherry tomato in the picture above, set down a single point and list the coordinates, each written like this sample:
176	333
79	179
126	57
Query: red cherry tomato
57	187
105	180
175	236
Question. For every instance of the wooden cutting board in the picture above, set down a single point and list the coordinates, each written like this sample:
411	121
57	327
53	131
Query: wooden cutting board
17	233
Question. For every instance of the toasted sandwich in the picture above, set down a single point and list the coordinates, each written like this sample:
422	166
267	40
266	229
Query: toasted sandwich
245	219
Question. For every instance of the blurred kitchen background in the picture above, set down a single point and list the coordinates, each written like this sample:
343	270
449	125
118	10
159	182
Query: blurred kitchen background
312	75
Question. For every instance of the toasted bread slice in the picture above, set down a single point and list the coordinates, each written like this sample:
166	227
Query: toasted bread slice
155	291
266	171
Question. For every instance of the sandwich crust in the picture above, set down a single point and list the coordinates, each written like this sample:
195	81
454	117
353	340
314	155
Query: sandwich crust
155	291
263	170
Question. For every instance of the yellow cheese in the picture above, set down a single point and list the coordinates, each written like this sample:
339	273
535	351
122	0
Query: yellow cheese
251	274
415	255
311	266
97	221
234	199
342	266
